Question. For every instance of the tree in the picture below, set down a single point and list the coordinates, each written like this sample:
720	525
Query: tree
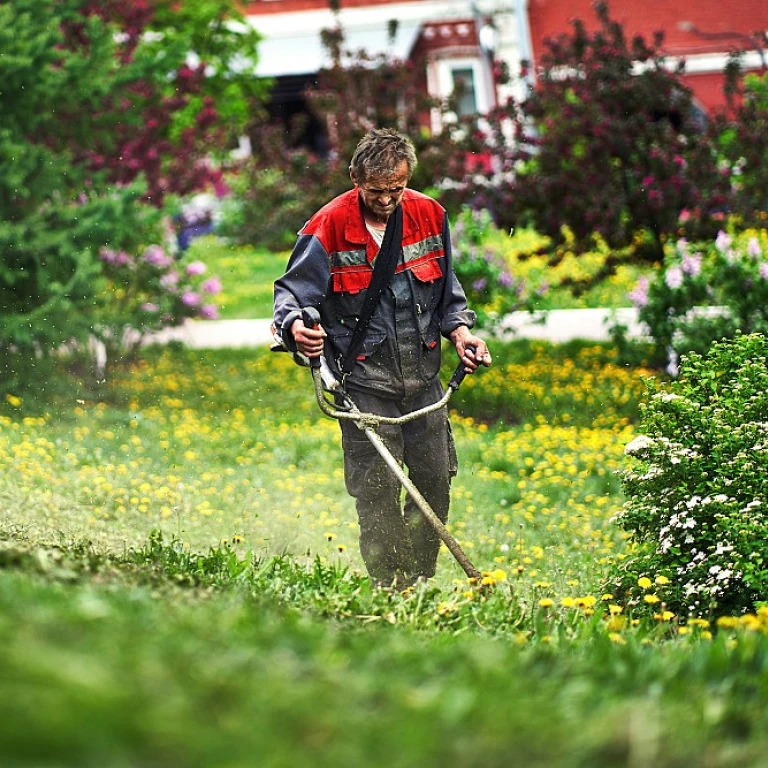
75	86
609	143
187	91
742	137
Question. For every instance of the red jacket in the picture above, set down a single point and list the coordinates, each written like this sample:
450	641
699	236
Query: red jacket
331	267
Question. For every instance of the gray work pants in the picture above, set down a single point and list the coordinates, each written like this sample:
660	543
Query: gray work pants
397	544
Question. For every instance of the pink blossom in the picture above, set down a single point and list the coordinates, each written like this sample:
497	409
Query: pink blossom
674	277
753	248
157	257
212	285
685	216
691	264
149	307
190	298
196	268
763	269
169	281
209	311
639	296
723	241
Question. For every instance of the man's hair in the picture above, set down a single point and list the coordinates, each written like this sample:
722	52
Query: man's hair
380	152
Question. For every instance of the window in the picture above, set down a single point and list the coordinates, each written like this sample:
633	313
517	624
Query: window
464	88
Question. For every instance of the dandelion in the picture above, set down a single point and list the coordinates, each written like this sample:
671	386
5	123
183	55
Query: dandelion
661	580
644	582
615	637
652	599
546	602
13	400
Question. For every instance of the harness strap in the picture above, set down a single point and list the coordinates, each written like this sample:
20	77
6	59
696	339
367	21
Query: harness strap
386	263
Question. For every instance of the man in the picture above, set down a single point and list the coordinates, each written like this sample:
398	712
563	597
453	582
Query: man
395	368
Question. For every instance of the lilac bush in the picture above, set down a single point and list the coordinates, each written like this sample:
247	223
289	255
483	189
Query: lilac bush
706	292
143	294
492	291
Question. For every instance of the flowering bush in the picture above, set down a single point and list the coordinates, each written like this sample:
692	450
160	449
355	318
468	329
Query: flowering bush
143	294
491	289
697	489
705	294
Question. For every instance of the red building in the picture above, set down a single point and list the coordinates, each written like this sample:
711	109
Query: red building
704	32
455	41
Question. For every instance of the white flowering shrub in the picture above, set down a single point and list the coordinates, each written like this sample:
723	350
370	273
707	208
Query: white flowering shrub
697	486
706	292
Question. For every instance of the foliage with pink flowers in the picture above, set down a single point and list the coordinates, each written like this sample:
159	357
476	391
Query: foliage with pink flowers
144	293
706	292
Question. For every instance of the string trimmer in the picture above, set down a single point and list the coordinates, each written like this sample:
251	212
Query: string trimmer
344	408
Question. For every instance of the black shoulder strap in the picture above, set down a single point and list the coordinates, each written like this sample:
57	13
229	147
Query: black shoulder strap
386	263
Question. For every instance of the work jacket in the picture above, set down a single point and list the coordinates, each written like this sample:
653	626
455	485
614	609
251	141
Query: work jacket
330	269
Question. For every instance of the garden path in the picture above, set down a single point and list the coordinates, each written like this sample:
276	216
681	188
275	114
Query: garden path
555	325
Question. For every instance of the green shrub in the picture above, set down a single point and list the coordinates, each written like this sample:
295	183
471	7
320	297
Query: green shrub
482	270
705	293
698	485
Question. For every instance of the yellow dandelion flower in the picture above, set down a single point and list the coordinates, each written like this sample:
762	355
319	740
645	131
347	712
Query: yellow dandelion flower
662	580
651	599
13	400
341	547
606	597
644	582
727	622
568	602
546	602
615	637
615	610
703	623
616	623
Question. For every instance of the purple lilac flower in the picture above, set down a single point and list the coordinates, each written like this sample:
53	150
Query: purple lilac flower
723	241
190	298
753	248
674	277
169	281
480	284
212	285
157	257
149	307
107	255
209	311
506	280
691	264
764	270
639	295
196	268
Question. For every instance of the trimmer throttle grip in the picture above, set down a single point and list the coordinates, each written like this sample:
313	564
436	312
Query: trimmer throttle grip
311	318
460	372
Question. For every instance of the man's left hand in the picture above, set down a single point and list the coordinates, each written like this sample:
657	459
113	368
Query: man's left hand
463	339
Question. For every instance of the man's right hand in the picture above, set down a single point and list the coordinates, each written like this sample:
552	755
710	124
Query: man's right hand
309	341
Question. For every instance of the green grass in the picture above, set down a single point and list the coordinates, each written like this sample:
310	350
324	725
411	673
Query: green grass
247	275
180	584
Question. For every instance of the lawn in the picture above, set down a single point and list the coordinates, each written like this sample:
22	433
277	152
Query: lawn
181	574
247	275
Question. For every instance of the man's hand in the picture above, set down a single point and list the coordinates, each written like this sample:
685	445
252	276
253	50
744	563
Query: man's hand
463	338
309	341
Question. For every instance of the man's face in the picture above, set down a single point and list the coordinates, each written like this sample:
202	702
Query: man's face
381	193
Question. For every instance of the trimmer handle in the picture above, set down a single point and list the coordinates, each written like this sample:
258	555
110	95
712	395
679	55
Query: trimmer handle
460	372
311	318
